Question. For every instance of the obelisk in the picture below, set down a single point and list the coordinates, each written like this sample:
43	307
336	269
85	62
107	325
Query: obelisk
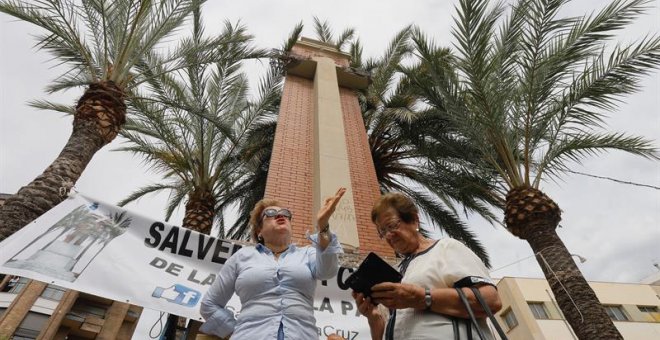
321	144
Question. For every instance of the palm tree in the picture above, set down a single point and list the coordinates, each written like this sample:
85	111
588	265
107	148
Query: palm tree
255	152
189	130
531	95
255	149
201	132
402	134
100	42
205	136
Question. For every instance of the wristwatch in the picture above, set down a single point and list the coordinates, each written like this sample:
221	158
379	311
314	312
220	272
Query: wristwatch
427	298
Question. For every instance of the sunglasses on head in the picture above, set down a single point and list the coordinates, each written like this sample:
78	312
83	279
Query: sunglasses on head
274	213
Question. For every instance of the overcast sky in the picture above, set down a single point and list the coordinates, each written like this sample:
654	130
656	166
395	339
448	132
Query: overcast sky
616	227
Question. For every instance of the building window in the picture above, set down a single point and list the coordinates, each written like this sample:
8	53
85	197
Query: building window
510	319
31	326
538	309
85	307
18	284
648	309
53	292
616	313
10	284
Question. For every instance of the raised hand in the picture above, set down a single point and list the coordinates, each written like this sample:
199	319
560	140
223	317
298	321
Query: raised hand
328	207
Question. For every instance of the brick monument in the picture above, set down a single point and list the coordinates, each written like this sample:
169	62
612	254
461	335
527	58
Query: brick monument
321	145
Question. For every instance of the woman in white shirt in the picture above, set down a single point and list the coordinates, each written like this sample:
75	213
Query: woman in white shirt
425	305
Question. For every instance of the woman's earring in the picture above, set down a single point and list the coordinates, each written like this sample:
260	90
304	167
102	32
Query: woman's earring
260	239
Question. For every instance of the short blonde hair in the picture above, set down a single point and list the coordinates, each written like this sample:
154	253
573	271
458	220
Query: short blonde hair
255	216
402	204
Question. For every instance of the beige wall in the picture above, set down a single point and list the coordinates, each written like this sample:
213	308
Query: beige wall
624	293
511	296
554	329
517	292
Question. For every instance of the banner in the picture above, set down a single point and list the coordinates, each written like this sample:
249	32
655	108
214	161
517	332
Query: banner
100	249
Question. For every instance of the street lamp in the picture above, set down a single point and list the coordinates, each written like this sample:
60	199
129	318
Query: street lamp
581	258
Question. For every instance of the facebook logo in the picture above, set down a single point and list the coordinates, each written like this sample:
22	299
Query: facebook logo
179	294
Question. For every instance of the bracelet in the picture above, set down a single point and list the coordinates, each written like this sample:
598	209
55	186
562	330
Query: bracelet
325	229
428	301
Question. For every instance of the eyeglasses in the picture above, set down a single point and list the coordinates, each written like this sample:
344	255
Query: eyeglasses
274	213
382	232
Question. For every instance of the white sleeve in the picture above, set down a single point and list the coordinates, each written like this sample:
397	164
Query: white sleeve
461	263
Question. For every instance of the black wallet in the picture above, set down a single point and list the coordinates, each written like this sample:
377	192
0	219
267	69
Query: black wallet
373	270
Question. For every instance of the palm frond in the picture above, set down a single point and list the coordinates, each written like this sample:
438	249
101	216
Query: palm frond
356	54
294	36
177	196
50	106
139	193
383	74
323	30
344	38
60	19
75	78
574	148
152	23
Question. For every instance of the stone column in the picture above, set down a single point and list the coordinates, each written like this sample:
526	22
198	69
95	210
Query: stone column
114	318
55	320
331	166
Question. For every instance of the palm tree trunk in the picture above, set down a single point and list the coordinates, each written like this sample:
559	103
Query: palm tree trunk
581	307
200	211
43	193
100	113
533	216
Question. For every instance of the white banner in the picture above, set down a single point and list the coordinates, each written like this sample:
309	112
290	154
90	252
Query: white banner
100	249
